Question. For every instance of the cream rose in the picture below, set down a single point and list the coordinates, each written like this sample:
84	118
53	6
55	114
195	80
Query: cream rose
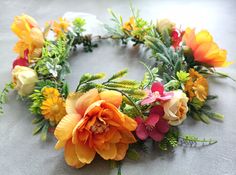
24	80
176	108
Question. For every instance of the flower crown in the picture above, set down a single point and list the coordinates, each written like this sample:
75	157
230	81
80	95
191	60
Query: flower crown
115	117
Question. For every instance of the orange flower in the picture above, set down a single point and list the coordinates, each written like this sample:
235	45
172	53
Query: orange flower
60	27
196	86
204	49
94	124
30	37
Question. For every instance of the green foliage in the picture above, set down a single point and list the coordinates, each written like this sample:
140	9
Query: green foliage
170	140
78	25
150	76
118	75
133	154
54	59
3	95
190	140
36	102
182	76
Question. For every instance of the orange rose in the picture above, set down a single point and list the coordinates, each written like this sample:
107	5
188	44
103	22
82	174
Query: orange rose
94	124
30	37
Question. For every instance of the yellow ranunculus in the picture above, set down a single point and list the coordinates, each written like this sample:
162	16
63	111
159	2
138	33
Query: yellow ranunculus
24	80
30	37
94	125
176	108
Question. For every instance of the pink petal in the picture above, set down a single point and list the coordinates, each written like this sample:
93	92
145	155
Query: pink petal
141	132
150	99
139	120
166	96
158	110
162	126
156	135
153	117
157	86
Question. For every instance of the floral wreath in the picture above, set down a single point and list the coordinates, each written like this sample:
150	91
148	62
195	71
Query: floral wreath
116	117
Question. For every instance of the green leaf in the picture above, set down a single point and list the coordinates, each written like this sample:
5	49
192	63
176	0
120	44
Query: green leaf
37	120
44	131
133	154
195	116
216	116
39	127
177	66
204	118
118	75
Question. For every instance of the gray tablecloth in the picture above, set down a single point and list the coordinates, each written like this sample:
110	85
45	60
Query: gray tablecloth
23	154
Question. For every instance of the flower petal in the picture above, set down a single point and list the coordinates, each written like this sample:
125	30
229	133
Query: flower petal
141	132
130	123
65	127
84	153
158	87
162	125
71	157
109	153
155	113
112	97
121	151
71	102
86	100
156	135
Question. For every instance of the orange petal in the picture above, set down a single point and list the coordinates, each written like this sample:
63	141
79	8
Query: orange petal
71	157
130	123
71	102
112	97
86	100
84	153
121	151
60	144
127	137
65	127
109	153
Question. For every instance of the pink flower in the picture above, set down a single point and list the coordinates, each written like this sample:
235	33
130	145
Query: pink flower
157	93
154	126
21	61
176	37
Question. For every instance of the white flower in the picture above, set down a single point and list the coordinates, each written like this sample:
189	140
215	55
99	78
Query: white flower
24	80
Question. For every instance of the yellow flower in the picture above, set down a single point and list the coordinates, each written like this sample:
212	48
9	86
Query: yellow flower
53	108
50	92
94	125
204	49
30	37
196	86
24	80
60	27
130	25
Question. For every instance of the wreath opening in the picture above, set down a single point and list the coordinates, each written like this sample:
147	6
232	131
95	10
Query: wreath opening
112	116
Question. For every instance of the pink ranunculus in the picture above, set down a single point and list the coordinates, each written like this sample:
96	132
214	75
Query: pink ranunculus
154	126
157	93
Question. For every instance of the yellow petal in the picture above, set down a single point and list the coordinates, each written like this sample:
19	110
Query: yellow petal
71	102
60	144
121	151
65	127
71	157
84	153
112	97
109	153
203	37
37	37
86	100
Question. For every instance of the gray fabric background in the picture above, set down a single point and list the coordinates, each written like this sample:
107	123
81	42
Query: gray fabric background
23	154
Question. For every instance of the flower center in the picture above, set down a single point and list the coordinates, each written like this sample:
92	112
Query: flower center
99	127
55	108
149	127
